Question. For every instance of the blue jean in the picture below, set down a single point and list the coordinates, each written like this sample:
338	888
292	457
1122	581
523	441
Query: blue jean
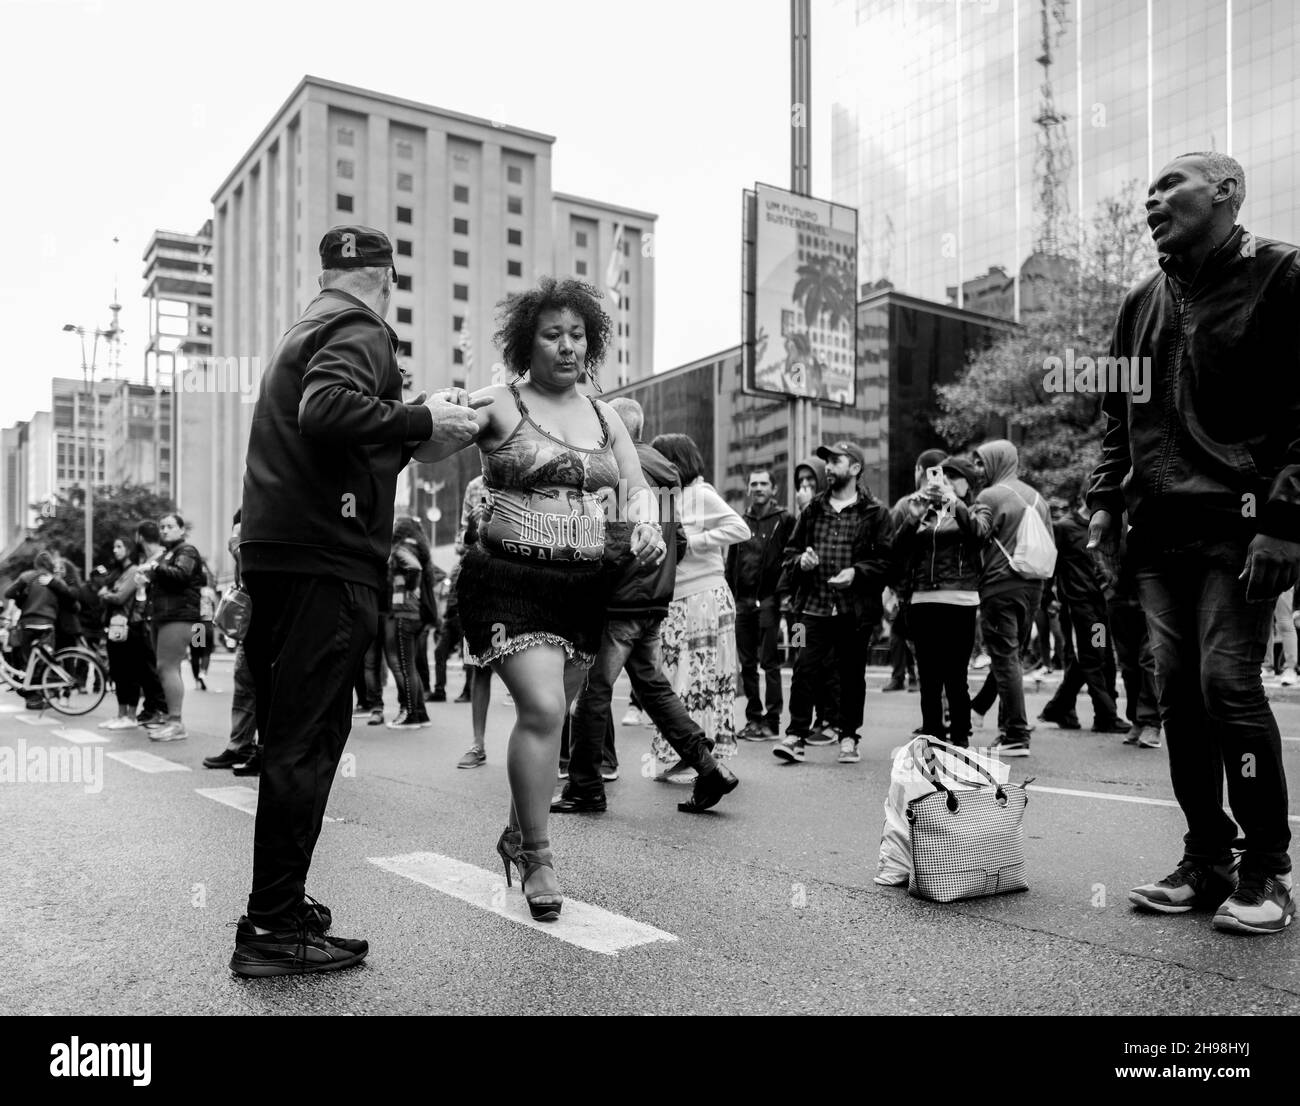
243	707
631	643
1209	643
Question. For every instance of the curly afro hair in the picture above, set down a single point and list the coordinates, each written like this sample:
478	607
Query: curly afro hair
517	318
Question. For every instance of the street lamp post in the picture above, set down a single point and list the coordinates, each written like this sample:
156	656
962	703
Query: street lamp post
88	376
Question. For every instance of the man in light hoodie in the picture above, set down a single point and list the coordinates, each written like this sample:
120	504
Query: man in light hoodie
1008	600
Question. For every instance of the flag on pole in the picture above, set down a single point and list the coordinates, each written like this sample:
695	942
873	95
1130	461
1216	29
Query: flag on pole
614	282
466	344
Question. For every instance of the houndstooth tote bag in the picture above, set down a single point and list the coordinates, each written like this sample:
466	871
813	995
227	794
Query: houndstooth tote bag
967	844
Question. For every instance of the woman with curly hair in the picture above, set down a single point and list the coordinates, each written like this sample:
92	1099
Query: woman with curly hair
531	604
699	634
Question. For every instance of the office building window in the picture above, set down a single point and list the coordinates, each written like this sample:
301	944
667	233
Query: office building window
580	239
405	182
343	202
404	150
458	383
460	292
403	284
627	247
344	137
515	205
460	226
514	237
460	257
344	168
514	268
514	174
403	314
404	247
404	349
458	323
403	214
458	356
460	193
580	267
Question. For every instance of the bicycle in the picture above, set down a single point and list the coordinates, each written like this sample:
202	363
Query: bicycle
73	680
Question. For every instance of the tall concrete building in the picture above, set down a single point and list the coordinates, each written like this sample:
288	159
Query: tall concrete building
469	207
971	136
178	286
26	476
612	247
77	412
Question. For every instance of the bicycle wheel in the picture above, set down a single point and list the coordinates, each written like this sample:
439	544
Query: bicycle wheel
74	681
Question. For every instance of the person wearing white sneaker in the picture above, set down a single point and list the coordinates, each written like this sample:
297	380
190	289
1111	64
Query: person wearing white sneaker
1210	478
849	751
633	716
1284	631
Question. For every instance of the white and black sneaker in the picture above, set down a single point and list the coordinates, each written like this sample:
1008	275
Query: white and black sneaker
792	750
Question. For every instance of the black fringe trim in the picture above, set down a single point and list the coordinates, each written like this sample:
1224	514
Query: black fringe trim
501	599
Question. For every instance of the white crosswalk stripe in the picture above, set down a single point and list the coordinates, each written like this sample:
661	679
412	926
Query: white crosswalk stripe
81	737
146	762
588	927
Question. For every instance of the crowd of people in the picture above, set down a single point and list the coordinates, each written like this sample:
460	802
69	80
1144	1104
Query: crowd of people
146	613
585	552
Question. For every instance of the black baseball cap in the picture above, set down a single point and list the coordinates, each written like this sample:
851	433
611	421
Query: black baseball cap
842	449
959	466
356	248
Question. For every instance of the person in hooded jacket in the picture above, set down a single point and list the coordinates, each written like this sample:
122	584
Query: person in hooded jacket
754	576
940	563
812	694
1008	601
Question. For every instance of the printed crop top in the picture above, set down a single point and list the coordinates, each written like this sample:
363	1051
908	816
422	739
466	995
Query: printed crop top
545	501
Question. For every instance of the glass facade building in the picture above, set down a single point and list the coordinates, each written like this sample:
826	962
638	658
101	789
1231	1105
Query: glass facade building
972	134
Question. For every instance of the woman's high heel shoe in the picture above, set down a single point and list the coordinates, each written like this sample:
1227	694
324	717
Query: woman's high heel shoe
544	906
508	849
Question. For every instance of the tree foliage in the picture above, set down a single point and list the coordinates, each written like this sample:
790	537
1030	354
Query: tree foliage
1073	307
117	512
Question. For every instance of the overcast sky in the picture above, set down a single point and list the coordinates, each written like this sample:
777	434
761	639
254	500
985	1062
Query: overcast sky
122	117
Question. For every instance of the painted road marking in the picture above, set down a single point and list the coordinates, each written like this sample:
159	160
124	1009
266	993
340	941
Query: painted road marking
37	720
147	762
580	924
81	737
241	798
1120	798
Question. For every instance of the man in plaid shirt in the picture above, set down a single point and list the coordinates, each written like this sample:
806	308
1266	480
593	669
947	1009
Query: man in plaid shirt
838	559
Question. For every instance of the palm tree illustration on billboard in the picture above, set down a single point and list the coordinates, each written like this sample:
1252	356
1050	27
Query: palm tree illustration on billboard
805	285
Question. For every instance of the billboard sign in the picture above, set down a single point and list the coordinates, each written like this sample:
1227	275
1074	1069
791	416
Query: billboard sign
800	274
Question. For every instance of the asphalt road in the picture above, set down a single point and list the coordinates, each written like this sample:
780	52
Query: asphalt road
122	899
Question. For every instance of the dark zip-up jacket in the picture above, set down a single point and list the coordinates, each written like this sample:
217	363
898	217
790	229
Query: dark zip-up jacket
754	566
40	604
935	553
644	591
330	434
1076	580
868	549
175	585
1214	454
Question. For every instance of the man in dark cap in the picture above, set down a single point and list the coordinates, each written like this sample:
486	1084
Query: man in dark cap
330	434
838	560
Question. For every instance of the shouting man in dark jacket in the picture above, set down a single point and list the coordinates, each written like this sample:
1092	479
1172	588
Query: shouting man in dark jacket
754	575
330	434
1206	457
839	559
638	603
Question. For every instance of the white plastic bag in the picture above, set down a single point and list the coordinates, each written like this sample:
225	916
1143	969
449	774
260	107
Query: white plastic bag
907	783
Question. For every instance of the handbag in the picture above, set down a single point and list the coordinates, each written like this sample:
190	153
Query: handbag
233	613
966	844
118	628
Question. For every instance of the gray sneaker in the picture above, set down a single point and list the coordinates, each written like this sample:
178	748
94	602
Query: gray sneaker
473	759
1149	738
173	731
790	750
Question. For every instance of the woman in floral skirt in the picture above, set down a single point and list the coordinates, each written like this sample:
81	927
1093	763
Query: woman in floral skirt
699	634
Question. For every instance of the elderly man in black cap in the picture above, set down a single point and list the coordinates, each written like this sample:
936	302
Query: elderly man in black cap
839	558
330	434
